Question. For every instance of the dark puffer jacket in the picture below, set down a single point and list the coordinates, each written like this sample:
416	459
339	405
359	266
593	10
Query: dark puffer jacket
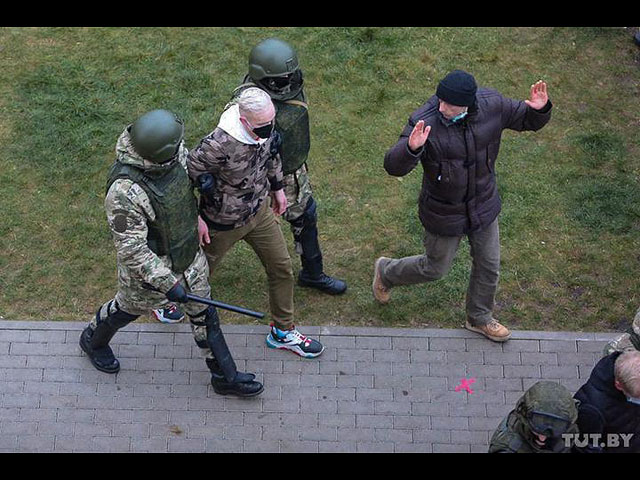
459	191
605	410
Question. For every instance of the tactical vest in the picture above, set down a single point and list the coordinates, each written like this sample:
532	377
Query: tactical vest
292	122
175	229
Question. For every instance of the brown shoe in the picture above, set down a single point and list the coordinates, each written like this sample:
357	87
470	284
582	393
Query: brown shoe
381	293
493	330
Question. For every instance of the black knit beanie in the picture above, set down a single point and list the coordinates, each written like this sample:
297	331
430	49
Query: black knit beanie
458	88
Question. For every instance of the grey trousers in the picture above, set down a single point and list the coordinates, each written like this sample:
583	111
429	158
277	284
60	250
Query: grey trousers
436	262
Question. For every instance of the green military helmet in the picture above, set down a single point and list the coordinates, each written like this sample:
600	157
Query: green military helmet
156	135
273	64
547	408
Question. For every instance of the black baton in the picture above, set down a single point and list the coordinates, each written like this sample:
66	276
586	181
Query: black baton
226	306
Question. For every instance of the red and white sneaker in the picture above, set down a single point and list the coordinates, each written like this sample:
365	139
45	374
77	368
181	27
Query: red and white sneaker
170	314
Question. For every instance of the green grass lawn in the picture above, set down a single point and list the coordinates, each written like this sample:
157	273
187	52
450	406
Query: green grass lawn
570	225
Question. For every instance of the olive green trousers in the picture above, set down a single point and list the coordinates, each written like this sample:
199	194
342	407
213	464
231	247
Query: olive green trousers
264	235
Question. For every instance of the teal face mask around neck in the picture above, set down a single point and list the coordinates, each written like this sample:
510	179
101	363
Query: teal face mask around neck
635	401
458	117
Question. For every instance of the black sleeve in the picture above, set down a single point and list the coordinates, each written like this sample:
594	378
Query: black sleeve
590	421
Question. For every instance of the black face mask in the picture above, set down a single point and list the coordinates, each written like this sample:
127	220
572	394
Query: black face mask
264	131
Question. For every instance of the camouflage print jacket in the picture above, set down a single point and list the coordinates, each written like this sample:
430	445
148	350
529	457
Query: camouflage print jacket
128	209
243	176
514	433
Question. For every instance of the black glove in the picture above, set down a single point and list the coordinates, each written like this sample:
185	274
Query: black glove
206	184
177	294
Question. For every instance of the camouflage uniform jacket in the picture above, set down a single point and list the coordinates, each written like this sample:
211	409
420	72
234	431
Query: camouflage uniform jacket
629	340
244	175
509	437
514	433
128	209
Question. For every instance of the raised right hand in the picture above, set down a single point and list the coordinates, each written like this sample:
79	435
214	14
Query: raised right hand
419	136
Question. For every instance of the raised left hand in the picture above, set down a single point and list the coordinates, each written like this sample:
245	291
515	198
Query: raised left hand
538	96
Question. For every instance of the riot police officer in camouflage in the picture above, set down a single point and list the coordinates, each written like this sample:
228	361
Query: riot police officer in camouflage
153	217
274	68
545	413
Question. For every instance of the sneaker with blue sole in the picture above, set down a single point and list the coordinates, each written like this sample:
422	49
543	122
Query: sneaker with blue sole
294	341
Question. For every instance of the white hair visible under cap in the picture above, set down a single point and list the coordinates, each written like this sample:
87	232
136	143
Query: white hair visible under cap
253	100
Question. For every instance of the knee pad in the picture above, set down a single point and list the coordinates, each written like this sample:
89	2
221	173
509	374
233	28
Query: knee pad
203	324
304	228
307	219
198	319
211	318
199	328
208	334
208	317
111	314
297	225
310	215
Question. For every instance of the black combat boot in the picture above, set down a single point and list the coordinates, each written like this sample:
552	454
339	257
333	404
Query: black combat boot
323	282
225	377
95	344
242	385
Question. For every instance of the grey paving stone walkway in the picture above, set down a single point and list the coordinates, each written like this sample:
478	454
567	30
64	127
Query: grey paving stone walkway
373	390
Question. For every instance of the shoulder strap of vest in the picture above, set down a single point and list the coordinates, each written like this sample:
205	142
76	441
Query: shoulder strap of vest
236	93
299	103
119	170
239	89
246	85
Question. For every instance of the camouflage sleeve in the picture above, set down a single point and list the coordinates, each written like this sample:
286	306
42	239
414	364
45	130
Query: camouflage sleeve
182	157
128	208
205	158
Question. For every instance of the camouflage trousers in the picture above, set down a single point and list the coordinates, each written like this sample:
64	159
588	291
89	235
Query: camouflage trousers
297	189
133	298
629	340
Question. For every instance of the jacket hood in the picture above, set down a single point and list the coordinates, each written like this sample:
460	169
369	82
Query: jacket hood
230	123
